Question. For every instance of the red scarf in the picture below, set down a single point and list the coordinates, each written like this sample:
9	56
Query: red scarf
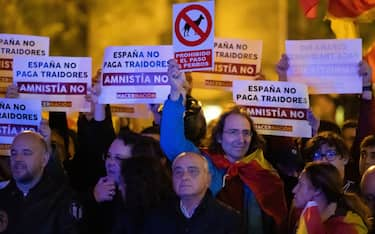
265	185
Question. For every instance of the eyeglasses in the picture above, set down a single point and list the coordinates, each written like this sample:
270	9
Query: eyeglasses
330	155
236	132
180	172
116	157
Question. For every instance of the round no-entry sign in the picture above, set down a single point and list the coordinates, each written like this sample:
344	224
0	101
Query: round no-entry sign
202	34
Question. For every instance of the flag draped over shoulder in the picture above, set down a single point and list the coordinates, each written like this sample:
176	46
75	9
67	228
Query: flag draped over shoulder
259	175
311	223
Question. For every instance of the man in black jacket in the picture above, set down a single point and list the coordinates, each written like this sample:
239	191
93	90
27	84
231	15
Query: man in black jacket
32	202
196	211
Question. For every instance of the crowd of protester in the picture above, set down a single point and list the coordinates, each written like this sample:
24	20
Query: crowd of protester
180	176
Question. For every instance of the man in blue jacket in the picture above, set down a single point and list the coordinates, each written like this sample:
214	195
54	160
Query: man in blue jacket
241	176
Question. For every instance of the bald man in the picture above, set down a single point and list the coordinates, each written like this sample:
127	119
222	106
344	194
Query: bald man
32	202
195	210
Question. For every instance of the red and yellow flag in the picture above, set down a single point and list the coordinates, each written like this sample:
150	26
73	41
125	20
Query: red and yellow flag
309	8
346	14
370	59
259	175
360	10
343	14
311	223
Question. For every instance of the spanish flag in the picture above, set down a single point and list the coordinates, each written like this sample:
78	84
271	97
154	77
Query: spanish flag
309	8
343	14
311	223
346	14
259	175
358	10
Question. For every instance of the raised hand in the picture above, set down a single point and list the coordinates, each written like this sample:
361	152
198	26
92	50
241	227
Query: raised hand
366	73
282	67
94	92
179	85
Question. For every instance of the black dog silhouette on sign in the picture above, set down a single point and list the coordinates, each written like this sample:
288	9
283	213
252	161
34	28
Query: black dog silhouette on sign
196	22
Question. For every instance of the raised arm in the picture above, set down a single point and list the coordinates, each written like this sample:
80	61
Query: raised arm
366	120
172	133
282	67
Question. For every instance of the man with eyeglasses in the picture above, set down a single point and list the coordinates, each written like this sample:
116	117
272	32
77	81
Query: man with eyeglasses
241	177
32	202
329	147
368	190
195	211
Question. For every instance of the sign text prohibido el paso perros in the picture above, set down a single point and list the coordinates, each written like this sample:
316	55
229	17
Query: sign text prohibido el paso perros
193	35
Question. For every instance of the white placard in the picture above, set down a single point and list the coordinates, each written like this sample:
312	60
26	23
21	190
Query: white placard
326	66
193	35
235	59
18	115
61	83
277	108
12	45
135	74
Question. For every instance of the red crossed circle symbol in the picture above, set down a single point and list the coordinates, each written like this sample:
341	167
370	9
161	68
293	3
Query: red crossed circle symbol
203	35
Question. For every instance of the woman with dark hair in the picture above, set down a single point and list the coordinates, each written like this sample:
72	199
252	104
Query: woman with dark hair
147	186
327	208
105	200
